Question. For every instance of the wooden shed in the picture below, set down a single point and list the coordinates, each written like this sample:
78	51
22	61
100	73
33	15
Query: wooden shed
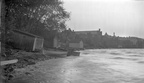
56	42
76	44
27	41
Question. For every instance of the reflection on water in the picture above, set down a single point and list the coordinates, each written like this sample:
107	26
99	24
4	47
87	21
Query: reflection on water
127	61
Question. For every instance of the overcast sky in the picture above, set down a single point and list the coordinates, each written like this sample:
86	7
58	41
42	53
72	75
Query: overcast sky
124	17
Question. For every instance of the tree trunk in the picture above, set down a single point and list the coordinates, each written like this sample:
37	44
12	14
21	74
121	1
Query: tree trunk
3	38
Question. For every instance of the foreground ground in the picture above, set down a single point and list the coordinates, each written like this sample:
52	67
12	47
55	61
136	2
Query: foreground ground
94	67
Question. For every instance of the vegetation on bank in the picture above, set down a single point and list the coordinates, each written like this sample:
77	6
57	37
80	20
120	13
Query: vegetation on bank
92	41
44	18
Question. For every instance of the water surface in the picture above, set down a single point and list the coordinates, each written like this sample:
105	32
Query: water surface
92	66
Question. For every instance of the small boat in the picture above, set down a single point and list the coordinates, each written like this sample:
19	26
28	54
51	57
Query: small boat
71	52
56	53
75	53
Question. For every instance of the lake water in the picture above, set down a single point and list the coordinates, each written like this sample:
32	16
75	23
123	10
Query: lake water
117	65
92	66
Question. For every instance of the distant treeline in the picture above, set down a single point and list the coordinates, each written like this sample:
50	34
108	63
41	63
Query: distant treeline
102	41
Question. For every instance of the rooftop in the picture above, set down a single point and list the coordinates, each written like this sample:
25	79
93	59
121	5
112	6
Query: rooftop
26	33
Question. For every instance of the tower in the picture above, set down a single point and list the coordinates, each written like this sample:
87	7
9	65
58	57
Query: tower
114	34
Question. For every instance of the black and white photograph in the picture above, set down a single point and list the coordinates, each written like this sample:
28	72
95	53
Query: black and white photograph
71	41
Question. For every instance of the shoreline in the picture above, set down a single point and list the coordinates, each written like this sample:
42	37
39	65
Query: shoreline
27	59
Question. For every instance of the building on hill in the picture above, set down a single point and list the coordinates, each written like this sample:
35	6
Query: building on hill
133	42
26	41
97	32
131	39
107	35
76	44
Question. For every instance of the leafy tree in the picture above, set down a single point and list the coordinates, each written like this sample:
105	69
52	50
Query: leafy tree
67	35
30	14
40	17
140	44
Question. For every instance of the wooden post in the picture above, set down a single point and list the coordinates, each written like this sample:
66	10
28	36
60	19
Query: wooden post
34	44
2	30
2	27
